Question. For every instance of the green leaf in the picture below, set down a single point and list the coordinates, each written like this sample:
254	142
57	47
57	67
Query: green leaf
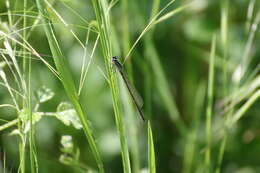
15	132
24	117
44	94
67	144
67	114
66	160
70	154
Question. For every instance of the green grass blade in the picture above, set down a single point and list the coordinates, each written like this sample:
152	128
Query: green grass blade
245	107
224	43
127	100
151	154
132	128
103	25
68	83
162	85
171	13
153	58
28	63
147	28
247	57
250	11
27	69
191	141
210	102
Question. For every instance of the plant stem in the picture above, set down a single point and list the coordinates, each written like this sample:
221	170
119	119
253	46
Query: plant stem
103	26
209	106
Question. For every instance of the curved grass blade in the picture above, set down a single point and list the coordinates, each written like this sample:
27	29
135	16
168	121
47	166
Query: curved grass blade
68	83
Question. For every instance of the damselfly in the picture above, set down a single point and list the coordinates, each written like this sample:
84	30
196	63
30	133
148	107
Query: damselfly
134	94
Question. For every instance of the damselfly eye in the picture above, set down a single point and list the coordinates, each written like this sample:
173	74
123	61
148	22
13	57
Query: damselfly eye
114	58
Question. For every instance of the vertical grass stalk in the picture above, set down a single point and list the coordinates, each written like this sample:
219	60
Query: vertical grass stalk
224	42
102	17
191	140
128	105
209	106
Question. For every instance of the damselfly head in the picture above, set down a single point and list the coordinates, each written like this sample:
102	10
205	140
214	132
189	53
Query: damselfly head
115	58
116	62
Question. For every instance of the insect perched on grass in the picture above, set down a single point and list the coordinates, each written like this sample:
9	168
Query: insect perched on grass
134	94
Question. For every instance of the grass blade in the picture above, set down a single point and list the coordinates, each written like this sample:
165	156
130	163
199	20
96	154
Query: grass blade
151	154
210	102
191	142
163	85
103	25
67	81
245	107
224	43
153	58
126	98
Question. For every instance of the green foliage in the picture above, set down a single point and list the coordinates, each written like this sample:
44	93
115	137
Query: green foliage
195	64
44	94
68	115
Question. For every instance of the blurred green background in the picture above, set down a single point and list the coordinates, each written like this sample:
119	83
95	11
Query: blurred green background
182	44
